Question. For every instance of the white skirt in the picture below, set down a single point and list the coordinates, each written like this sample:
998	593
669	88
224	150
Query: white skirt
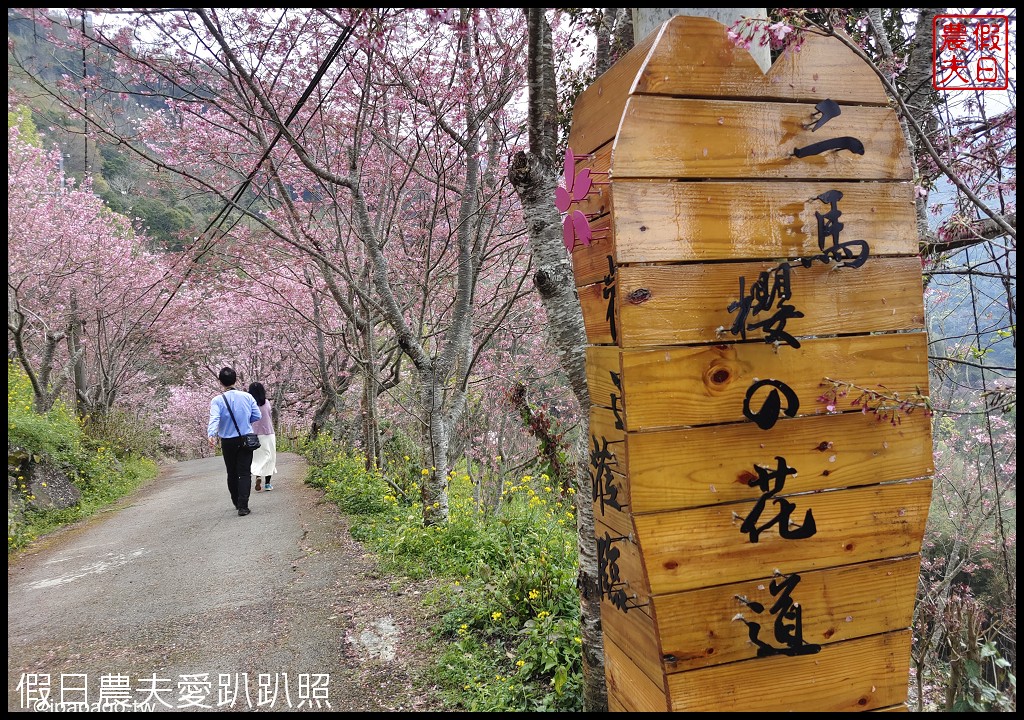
264	458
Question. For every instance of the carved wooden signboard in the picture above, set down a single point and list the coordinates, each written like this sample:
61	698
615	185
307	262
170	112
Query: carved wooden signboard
737	238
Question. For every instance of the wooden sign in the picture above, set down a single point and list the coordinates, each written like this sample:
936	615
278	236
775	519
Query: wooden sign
738	238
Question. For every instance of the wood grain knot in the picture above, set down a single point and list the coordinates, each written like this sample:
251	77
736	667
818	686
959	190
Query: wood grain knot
639	296
746	478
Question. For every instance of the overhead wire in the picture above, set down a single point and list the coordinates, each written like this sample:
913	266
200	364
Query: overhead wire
222	215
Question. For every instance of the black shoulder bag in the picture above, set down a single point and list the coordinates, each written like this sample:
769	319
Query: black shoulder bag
250	441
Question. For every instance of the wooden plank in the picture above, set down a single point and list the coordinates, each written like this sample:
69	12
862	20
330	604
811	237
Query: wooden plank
618	519
628	687
677	469
604	379
691	549
681	304
688	386
615	704
607	437
700	221
598	109
635	632
590	262
701	628
626	570
663	137
860	674
902	707
600	312
694	57
607	471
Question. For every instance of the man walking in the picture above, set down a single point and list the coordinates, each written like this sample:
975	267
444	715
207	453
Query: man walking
231	416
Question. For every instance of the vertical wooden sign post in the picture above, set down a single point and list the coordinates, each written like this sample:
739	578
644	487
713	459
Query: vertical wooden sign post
737	239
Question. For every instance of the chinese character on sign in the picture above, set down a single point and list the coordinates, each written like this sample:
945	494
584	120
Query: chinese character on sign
270	686
153	690
788	626
605	487
228	688
970	52
115	693
194	690
771	483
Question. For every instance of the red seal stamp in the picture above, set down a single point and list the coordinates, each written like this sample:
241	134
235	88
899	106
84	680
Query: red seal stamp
970	52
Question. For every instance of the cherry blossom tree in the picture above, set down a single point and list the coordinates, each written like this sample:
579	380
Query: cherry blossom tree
82	291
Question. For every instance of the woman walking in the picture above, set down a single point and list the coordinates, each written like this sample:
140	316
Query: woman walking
264	459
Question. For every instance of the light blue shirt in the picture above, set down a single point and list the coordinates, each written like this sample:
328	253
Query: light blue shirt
244	408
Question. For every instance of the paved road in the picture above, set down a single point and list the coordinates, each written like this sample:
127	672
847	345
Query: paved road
172	599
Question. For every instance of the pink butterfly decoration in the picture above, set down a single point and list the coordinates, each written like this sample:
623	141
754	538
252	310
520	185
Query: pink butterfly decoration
577	186
575	227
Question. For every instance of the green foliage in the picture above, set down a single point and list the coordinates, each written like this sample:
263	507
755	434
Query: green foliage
55	433
102	478
125	432
101	468
115	162
21	117
344	479
162	221
506	599
290	439
401	458
986	682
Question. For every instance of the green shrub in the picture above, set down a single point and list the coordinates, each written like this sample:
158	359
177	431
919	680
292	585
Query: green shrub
102	481
56	434
344	479
123	432
402	459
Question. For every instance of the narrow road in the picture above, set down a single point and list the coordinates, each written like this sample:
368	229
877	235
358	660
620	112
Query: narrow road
172	601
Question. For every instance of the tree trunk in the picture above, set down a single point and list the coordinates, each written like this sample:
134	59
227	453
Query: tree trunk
328	398
371	425
438	431
77	358
533	175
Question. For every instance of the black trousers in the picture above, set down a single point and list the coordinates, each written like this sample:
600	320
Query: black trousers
238	461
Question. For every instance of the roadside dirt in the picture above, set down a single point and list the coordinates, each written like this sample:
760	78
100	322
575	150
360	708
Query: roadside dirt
173	600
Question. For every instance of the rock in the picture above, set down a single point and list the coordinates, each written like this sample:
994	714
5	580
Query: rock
42	486
51	488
